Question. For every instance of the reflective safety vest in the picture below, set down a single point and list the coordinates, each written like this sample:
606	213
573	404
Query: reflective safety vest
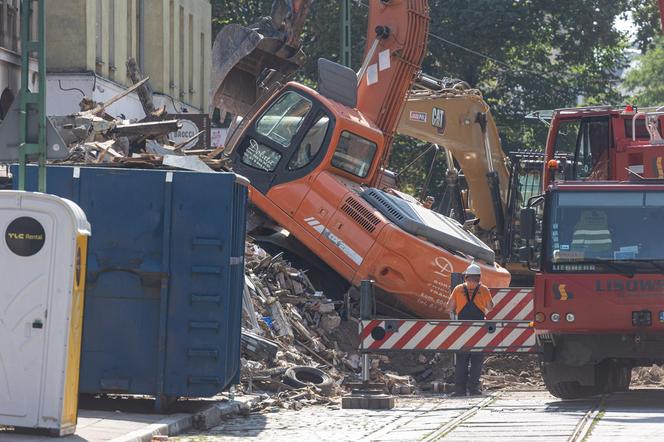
591	232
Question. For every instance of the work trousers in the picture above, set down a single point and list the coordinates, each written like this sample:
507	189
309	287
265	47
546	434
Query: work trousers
466	377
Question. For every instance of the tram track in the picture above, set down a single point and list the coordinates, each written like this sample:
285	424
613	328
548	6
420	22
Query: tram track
523	416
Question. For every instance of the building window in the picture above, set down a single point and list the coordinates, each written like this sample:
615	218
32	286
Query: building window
171	48
181	92
111	38
191	58
99	41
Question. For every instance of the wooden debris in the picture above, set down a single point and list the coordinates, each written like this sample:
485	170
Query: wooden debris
146	129
102	107
144	91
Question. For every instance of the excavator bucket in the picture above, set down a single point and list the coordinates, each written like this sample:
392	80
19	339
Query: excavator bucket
242	56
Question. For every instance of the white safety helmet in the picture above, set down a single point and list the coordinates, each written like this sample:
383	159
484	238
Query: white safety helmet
473	269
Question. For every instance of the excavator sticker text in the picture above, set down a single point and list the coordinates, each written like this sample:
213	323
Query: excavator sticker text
334	239
438	119
439	288
420	117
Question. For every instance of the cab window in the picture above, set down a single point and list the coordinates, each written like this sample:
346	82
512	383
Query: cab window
593	150
311	143
567	136
354	154
283	119
586	144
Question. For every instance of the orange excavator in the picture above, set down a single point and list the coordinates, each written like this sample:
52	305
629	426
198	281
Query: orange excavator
316	163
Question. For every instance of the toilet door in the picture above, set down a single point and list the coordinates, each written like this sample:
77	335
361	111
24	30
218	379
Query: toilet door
26	275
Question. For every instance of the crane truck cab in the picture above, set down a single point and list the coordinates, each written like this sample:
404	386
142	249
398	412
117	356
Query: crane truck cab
605	143
599	286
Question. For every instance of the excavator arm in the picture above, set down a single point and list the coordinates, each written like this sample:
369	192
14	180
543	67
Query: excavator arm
395	46
456	118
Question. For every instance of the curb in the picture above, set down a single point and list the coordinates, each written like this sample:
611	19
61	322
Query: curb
166	427
178	423
211	417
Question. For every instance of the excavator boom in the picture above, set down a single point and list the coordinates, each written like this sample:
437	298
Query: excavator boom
394	51
457	118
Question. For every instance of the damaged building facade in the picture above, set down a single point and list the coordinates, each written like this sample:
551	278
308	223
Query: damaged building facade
10	54
89	41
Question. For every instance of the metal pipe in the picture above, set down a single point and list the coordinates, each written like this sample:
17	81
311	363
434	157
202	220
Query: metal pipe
450	159
636	115
482	120
366	300
427	180
366	312
367	60
365	368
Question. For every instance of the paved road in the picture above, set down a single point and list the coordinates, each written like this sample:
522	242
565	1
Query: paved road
505	416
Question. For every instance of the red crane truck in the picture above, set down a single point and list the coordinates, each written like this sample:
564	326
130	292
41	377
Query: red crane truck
599	289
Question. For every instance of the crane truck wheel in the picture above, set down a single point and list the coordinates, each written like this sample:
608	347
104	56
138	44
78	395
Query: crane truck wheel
564	389
612	376
626	379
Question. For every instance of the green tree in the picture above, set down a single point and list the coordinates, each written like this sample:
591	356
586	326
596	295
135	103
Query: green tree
645	15
539	55
645	80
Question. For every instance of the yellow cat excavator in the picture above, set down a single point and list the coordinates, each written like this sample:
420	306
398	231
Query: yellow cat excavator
485	188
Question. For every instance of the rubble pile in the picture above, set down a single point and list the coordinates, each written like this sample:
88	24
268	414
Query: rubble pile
510	370
287	325
653	375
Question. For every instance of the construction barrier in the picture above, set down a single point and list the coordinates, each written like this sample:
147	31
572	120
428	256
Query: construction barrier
513	304
507	329
444	335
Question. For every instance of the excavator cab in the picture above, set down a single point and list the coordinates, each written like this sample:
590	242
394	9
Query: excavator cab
246	59
300	132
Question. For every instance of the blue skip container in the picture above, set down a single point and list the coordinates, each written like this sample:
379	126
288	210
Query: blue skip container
165	277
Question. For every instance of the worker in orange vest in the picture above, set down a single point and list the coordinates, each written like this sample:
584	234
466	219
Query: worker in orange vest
470	301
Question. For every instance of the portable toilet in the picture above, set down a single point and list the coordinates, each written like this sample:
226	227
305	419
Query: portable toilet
42	275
